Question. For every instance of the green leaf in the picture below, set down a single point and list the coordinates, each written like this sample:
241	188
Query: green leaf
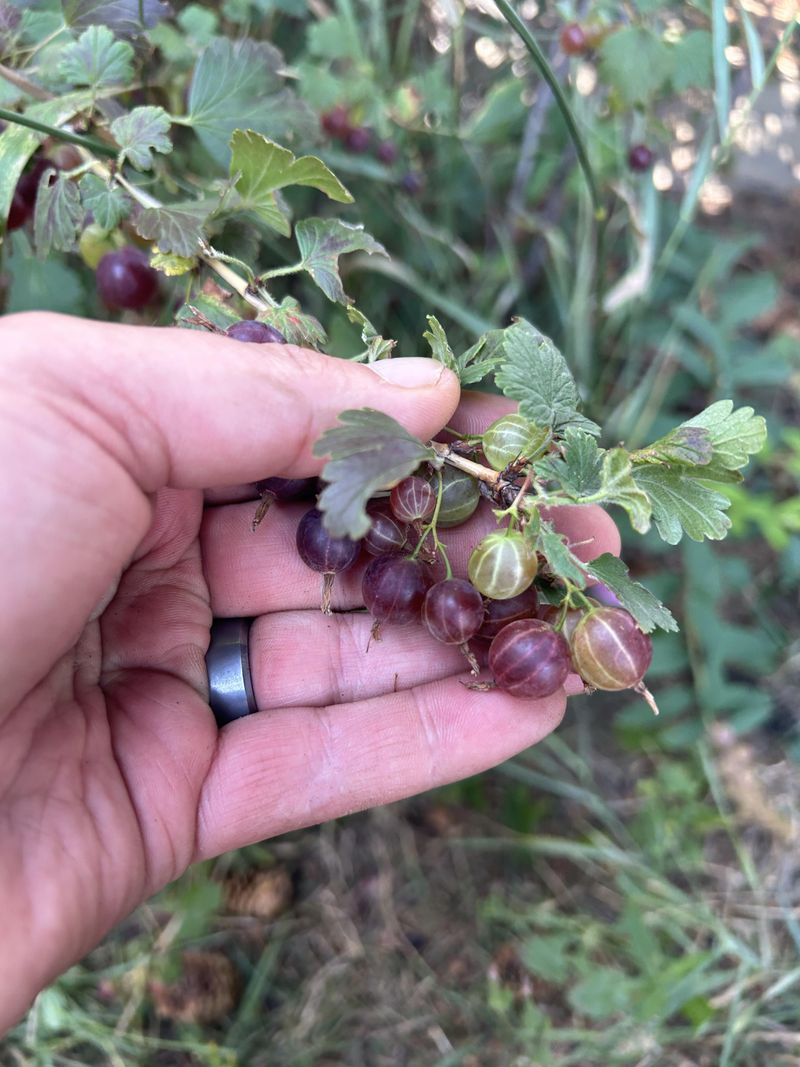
97	59
239	85
322	241
263	167
604	992
171	265
58	215
693	68
125	18
17	143
140	133
533	371
369	451
562	562
471	366
41	285
212	307
577	469
296	326
618	487
108	203
377	347
683	503
735	434
333	38
648	611
685	444
440	346
176	228
636	63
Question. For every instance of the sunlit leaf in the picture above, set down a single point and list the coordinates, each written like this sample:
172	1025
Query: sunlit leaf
260	167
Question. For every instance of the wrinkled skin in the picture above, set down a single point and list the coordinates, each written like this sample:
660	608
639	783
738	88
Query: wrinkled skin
113	776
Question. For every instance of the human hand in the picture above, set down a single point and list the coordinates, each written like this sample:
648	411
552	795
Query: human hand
113	775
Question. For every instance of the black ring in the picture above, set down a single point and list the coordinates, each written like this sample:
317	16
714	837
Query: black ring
230	684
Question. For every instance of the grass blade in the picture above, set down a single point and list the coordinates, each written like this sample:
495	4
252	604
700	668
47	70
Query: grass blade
720	39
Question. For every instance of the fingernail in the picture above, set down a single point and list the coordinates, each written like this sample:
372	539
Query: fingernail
411	372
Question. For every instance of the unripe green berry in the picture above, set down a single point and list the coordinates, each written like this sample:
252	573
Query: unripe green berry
460	496
513	437
502	565
93	244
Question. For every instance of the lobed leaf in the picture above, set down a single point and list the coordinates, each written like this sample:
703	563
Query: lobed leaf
176	228
58	214
171	265
636	63
647	609
377	347
238	85
617	486
577	469
471	366
296	325
735	434
125	18
369	451
140	133
97	59
322	241
561	561
260	167
533	371
108	203
18	143
682	503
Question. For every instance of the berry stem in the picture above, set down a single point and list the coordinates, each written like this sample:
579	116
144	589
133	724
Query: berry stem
431	529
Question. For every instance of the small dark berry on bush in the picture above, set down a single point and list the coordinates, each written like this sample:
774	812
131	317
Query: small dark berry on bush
126	280
573	40
386	152
256	333
66	157
358	139
412	183
640	157
19	212
336	122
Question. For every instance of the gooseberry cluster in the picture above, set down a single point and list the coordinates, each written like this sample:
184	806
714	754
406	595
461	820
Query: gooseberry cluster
502	611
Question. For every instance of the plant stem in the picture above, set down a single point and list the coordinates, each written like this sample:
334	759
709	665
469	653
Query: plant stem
546	71
89	143
477	470
21	82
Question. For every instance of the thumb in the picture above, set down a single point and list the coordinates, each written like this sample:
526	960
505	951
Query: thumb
188	409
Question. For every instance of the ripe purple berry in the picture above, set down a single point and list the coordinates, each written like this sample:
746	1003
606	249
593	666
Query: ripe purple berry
125	279
394	588
255	333
358	139
387	152
453	611
529	659
323	553
640	158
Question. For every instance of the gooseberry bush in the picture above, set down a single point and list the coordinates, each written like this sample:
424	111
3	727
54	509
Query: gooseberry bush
171	162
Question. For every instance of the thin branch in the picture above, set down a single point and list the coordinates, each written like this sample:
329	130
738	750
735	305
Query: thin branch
89	143
23	83
540	59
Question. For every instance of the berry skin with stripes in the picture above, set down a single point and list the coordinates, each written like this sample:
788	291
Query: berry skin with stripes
609	650
502	565
528	658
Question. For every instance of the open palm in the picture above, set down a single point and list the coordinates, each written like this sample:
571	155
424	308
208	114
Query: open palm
113	775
